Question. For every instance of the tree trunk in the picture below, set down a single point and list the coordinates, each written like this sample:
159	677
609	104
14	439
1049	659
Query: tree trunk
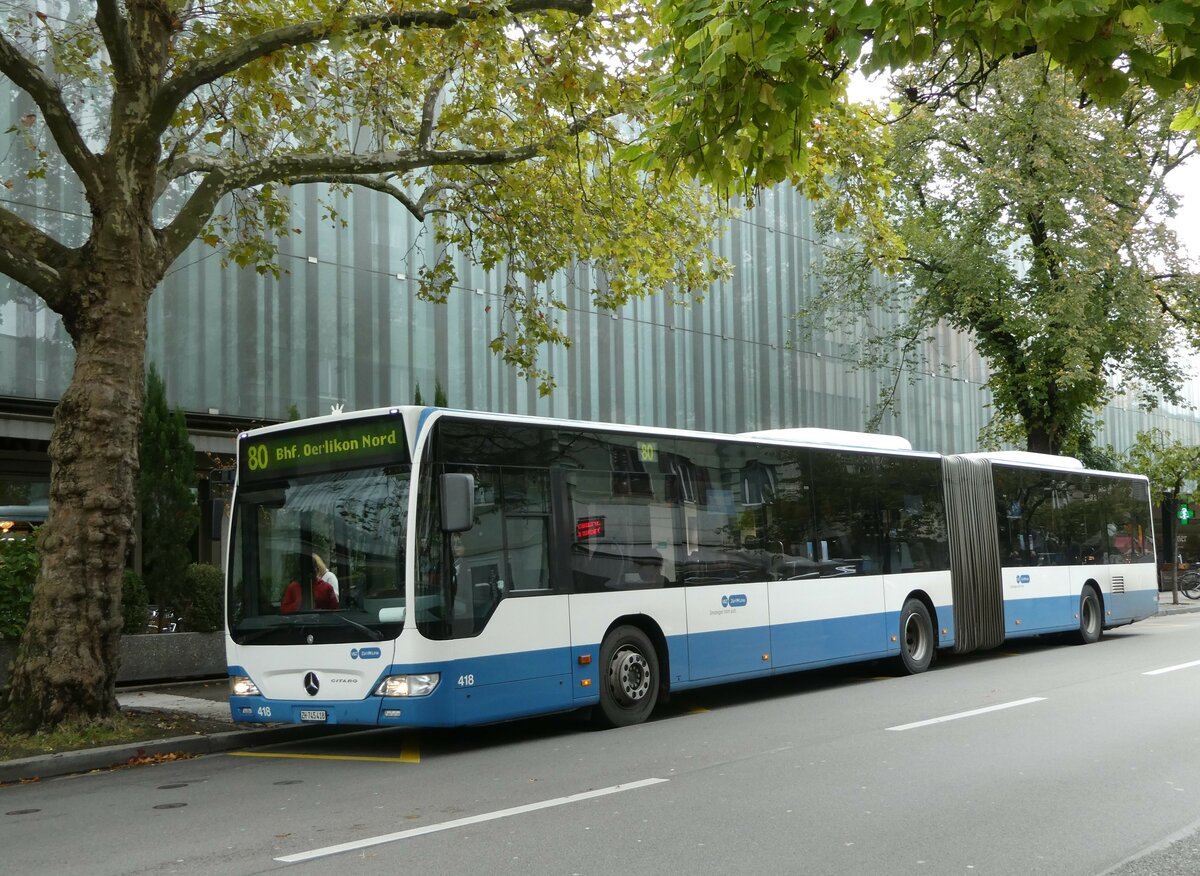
67	661
1038	439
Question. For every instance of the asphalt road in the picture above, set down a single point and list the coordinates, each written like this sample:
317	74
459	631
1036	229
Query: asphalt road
1037	758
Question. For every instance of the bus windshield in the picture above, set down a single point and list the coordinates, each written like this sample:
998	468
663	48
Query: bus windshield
320	558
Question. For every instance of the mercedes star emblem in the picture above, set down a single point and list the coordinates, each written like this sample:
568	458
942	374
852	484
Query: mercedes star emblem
312	684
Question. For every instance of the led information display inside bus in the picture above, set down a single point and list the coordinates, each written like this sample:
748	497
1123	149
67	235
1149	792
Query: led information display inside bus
323	448
589	527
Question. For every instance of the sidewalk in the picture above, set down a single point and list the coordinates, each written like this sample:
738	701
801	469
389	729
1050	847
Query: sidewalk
1185	606
209	699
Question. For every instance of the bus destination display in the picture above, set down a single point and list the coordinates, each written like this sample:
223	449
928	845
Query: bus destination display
327	448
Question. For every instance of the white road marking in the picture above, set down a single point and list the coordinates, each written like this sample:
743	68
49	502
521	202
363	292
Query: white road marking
463	822
1172	668
969	714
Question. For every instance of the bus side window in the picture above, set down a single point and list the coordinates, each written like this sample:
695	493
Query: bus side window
526	501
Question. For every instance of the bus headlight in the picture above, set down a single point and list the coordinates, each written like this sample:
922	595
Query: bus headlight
408	685
241	686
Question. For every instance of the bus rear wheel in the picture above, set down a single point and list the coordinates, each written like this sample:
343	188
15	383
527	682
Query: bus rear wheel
629	678
916	637
1091	620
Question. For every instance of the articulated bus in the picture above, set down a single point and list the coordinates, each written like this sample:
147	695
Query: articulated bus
426	567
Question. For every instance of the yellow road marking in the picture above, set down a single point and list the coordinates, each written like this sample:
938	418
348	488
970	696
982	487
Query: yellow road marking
405	757
697	710
410	751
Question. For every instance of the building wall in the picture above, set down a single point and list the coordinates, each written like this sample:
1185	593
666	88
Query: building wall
343	325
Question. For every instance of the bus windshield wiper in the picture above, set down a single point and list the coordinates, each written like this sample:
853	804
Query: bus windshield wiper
252	637
306	619
373	634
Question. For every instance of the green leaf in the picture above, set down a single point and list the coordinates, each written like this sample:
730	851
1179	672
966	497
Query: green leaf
1173	12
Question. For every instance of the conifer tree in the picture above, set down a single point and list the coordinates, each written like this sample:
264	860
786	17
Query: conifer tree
165	497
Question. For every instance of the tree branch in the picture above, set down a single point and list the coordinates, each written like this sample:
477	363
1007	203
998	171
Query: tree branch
32	257
222	176
208	70
26	75
430	109
220	179
925	264
176	237
284	168
115	31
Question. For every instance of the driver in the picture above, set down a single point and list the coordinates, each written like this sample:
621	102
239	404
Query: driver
320	592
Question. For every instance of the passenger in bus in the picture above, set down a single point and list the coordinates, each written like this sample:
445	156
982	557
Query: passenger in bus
319	595
324	573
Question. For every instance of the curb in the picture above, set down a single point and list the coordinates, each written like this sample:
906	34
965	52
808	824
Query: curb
65	763
1181	608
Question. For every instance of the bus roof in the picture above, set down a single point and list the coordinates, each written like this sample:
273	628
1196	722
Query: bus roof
810	436
833	438
1024	457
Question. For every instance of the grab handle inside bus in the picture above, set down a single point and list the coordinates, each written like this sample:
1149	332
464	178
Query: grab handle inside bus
458	502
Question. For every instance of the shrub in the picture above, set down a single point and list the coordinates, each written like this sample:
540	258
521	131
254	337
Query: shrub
135	604
18	572
19	562
204	587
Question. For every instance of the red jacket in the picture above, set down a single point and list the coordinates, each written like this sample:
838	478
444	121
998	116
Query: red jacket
323	597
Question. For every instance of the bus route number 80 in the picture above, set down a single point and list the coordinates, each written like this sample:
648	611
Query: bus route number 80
257	457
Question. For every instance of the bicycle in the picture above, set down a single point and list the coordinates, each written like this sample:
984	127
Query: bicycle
1189	584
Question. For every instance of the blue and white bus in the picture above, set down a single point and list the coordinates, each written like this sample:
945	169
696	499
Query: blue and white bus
418	566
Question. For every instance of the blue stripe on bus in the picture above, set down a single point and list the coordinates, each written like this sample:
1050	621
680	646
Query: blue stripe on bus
814	642
480	690
1058	613
725	653
1024	617
426	413
1128	607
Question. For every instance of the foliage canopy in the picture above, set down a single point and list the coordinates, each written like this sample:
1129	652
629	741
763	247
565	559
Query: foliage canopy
1034	220
752	80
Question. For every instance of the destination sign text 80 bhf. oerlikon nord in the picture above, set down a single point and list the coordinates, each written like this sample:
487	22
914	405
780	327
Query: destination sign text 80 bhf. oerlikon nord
327	447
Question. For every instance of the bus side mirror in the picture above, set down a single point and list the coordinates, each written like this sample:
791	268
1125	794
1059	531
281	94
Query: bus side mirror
458	502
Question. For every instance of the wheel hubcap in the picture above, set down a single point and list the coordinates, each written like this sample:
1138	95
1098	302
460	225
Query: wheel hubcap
629	676
914	638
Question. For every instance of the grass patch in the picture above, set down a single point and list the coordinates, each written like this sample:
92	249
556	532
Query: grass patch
127	726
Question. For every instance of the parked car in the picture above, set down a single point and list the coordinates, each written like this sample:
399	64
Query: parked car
170	623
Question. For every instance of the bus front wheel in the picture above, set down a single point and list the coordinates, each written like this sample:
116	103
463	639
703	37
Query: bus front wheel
916	637
628	678
1091	620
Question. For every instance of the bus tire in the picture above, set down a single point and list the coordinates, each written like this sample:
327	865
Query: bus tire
628	678
1091	616
916	637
